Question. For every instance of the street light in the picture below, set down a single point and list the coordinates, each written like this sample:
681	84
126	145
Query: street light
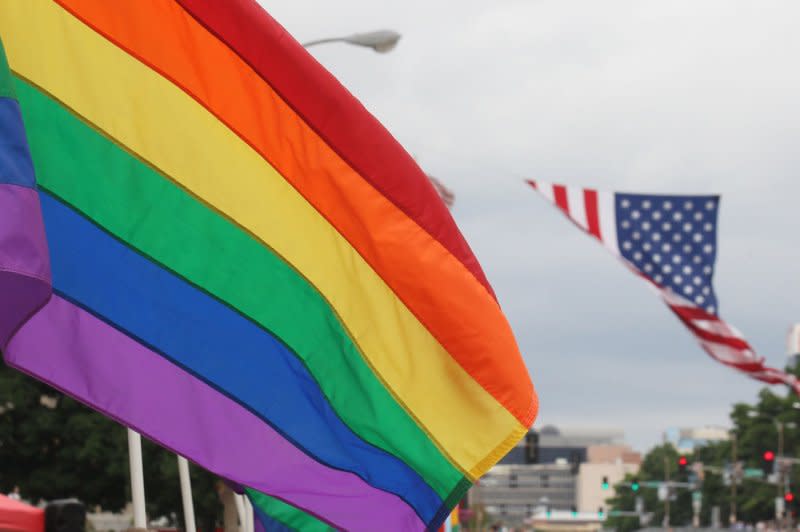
779	465
382	41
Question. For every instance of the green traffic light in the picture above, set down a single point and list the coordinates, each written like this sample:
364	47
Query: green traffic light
605	485
635	485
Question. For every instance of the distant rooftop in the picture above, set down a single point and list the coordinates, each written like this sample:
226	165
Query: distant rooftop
686	440
552	436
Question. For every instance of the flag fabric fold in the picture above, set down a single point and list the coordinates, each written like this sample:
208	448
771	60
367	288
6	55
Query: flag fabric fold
222	249
24	261
670	242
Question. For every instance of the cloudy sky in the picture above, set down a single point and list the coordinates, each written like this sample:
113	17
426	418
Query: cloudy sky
678	97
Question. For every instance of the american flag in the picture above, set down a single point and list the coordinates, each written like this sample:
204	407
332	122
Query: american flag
671	243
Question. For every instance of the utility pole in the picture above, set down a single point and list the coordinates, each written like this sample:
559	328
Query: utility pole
734	480
669	492
478	505
779	467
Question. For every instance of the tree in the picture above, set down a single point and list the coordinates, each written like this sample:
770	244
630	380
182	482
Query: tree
163	488
756	428
53	447
50	445
657	462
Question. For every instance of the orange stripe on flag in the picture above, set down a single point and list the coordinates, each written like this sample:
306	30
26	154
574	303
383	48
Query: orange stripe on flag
471	331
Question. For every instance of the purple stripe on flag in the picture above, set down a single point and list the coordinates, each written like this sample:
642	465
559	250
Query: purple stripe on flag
24	261
98	365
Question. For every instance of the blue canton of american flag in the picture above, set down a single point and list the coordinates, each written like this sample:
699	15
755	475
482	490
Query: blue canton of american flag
671	242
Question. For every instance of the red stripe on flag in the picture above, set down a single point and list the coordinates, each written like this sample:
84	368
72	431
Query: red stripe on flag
334	114
592	216
560	197
692	313
735	343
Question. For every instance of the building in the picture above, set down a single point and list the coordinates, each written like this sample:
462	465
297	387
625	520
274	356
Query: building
556	472
571	444
590	491
686	440
605	467
567	521
514	493
793	345
793	340
612	454
553	444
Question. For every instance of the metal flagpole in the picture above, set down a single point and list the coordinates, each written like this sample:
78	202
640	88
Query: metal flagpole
186	494
240	510
137	479
669	492
248	514
734	480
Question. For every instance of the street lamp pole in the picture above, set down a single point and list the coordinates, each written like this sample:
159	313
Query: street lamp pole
669	492
734	479
779	466
383	41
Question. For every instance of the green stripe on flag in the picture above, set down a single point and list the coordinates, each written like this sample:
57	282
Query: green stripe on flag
6	85
154	216
286	513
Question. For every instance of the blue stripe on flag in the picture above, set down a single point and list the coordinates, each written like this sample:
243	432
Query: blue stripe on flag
15	157
213	342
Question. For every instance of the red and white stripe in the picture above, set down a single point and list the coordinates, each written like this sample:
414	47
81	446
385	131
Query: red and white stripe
594	212
591	210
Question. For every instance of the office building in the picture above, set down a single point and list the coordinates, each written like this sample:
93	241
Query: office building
556	471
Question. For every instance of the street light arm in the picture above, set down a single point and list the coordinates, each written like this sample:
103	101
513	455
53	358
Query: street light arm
323	41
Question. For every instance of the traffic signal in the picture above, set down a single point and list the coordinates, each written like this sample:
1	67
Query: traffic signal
600	513
788	497
604	485
574	512
635	484
682	463
531	447
575	460
548	512
768	462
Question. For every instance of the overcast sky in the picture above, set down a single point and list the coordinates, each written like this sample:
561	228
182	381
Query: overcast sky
674	97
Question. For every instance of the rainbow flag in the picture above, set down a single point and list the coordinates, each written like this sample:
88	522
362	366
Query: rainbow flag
225	251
